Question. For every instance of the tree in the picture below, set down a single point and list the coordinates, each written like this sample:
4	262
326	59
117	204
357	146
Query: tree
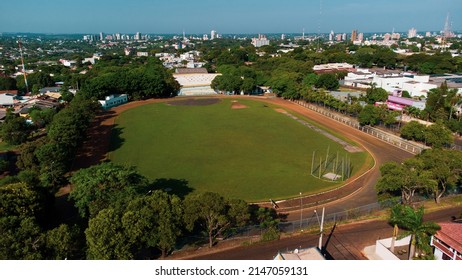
327	81
15	130
375	94
19	200
211	212
54	159
445	167
106	238
369	115
154	221
403	179
438	136
27	158
7	83
396	216
20	238
62	243
412	222
413	130
105	185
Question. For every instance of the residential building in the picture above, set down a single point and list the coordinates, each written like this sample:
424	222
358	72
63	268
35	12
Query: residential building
412	33
395	36
213	35
45	90
331	35
260	41
113	101
354	35
333	67
448	242
6	100
142	53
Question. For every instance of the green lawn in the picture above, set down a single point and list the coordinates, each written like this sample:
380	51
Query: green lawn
254	153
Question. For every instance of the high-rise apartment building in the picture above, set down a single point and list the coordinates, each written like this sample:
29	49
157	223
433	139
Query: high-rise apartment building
101	36
213	35
354	35
260	41
331	36
412	33
360	37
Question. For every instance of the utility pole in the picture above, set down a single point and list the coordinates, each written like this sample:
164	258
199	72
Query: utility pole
321	227
301	212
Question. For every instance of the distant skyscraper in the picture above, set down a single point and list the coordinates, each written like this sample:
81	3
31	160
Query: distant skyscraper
338	37
331	36
213	35
387	37
361	37
260	41
412	33
354	35
137	36
283	36
101	36
344	37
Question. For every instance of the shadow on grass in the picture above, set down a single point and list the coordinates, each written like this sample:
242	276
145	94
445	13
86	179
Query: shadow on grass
179	187
116	140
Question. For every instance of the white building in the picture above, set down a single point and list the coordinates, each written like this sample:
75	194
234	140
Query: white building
412	33
260	41
213	35
195	81
113	100
417	86
142	54
312	253
6	99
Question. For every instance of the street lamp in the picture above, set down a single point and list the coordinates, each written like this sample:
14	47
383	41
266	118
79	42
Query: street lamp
321	227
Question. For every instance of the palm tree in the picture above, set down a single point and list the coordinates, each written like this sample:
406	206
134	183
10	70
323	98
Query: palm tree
396	215
412	222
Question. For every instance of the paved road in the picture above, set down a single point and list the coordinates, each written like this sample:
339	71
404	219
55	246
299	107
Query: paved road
346	242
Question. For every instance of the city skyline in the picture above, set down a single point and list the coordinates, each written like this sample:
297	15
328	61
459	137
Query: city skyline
227	17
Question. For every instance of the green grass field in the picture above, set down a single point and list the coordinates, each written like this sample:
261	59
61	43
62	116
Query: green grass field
255	153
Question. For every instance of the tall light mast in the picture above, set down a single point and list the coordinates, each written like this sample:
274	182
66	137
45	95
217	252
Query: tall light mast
23	65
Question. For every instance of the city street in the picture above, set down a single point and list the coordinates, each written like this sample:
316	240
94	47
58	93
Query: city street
346	242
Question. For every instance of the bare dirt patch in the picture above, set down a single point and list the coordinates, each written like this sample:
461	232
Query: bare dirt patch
194	102
237	105
279	110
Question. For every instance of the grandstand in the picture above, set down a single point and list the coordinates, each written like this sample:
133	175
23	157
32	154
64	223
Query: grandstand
195	83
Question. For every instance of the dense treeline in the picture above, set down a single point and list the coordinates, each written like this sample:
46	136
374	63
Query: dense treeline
148	79
130	217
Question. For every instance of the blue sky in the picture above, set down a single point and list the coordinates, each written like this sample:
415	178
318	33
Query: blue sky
226	16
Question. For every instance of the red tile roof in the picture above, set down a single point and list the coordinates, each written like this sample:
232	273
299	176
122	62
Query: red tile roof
451	234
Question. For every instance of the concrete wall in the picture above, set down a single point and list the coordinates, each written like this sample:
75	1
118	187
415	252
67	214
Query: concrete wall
382	247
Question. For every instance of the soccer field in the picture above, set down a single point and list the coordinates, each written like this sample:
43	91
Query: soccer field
239	148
